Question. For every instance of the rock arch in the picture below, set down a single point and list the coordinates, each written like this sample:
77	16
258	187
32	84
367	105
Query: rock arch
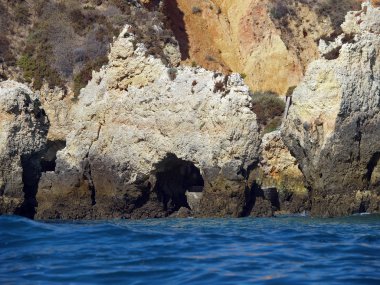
175	179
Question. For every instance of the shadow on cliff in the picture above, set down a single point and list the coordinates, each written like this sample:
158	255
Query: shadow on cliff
177	25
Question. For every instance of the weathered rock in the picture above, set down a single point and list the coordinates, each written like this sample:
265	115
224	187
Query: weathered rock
144	134
23	131
278	171
194	199
57	104
333	125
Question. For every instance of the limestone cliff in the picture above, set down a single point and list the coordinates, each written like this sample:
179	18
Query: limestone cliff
23	131
333	124
145	134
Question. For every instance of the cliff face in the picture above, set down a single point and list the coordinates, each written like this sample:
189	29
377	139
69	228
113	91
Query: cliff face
145	135
270	42
333	123
149	138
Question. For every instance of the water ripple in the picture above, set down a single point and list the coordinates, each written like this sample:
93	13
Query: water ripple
289	250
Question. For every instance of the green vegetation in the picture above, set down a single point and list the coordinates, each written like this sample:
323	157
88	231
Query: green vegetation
269	108
36	69
36	57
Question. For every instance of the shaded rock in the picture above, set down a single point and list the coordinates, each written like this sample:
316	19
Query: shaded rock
332	127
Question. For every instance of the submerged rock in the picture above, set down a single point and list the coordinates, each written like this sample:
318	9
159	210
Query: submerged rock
333	124
144	134
23	131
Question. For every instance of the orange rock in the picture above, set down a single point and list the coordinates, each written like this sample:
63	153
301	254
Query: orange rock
242	36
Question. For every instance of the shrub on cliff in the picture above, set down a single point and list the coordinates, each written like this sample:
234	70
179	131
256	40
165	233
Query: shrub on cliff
280	9
81	79
36	58
269	108
64	38
196	10
333	10
68	39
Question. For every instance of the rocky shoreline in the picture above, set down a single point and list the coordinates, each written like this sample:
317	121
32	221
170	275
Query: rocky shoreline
147	138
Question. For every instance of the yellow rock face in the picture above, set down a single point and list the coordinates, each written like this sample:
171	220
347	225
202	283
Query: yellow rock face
243	36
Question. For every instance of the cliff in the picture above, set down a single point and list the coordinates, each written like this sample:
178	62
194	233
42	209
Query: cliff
269	42
333	124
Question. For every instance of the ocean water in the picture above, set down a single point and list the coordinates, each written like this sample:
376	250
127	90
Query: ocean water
286	250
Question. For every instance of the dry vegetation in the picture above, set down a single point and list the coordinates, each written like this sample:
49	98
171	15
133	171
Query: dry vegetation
269	109
67	40
335	10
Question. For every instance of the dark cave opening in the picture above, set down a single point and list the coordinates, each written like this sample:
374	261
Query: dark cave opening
31	174
50	155
32	166
174	177
371	166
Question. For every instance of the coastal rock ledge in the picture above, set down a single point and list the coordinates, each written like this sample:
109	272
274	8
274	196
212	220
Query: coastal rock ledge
333	126
147	136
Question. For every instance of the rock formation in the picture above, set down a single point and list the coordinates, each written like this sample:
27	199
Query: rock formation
23	131
144	134
333	124
149	138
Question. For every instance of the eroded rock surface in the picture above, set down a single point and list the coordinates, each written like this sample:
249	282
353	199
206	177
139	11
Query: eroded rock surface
23	131
145	134
278	183
333	124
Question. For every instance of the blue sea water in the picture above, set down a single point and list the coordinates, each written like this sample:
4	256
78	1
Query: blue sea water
286	250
